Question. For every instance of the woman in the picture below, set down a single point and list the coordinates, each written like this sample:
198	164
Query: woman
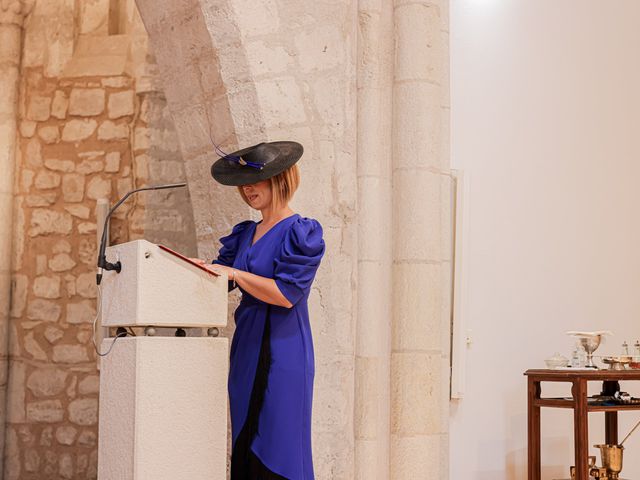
273	262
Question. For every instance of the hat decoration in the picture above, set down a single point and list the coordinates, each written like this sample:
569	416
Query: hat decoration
265	160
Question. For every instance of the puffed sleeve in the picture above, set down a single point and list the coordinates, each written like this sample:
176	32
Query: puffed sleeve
230	244
296	266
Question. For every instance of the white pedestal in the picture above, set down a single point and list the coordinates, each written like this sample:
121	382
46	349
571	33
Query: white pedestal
163	409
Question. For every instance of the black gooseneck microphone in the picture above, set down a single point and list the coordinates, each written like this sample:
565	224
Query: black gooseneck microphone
102	259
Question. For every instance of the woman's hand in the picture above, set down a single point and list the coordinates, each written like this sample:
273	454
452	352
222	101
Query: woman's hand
218	269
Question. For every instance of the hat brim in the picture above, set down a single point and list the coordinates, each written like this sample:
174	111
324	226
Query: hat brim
229	172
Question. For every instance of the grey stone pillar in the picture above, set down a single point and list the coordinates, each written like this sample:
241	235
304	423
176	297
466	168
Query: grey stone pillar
12	15
375	78
421	256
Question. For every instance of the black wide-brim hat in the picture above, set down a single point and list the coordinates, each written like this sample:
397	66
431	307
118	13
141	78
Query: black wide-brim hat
256	163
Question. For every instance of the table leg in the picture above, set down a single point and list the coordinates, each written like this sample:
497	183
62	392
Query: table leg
533	430
611	428
581	428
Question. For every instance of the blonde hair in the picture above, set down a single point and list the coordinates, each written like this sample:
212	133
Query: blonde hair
283	186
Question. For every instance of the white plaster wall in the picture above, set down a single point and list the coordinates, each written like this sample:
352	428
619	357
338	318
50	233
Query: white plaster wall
545	113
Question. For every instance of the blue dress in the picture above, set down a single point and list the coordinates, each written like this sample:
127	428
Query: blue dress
272	363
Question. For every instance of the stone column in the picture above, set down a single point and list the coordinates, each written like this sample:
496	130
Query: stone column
375	77
421	257
12	15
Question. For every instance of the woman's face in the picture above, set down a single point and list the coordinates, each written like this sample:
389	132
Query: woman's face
258	194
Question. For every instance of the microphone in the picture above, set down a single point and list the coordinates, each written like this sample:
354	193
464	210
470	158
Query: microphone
102	259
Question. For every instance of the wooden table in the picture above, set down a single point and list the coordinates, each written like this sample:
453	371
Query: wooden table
581	408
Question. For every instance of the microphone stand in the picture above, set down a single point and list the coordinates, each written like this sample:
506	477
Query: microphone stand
102	260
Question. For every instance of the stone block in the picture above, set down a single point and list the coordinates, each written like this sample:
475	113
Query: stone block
86	227
61	263
66	435
31	460
415	393
26	180
73	187
27	128
320	48
367	459
44	221
61	246
80	211
47	382
112	162
412	456
59	165
90	166
46	440
94	17
76	130
87	439
116	82
263	20
45	180
90	384
374	214
39	108
265	58
86	102
41	264
142	138
46	310
99	187
49	134
121	104
33	153
41	200
70	354
418	28
417	311
281	100
417	215
124	185
86	285
97	56
111	131
53	334
84	411
60	105
368	377
46	287
33	348
71	389
418	126
65	466
81	312
45	411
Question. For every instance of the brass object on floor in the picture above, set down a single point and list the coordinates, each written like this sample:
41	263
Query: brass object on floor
594	471
611	463
611	459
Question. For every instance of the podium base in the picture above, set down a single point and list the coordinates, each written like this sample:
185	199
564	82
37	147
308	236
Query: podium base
163	409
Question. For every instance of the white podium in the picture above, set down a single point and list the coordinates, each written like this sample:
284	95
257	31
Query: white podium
163	400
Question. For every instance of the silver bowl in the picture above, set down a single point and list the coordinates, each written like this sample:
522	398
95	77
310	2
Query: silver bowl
590	345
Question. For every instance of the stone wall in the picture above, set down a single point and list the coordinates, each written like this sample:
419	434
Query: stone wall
91	126
373	116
